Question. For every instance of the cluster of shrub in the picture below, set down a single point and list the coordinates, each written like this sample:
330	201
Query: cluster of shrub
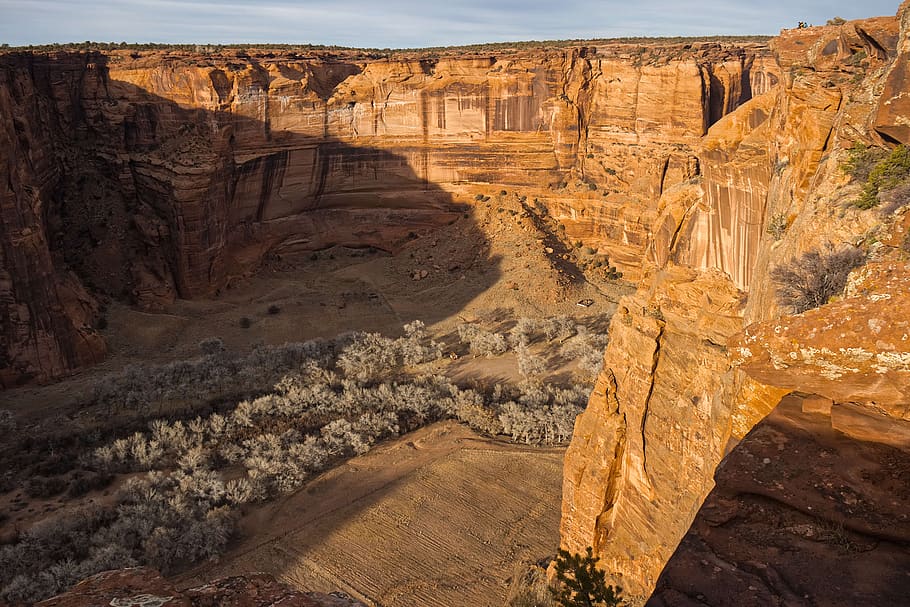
307	406
884	175
577	342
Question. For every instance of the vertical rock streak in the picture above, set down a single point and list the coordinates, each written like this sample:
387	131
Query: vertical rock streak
774	153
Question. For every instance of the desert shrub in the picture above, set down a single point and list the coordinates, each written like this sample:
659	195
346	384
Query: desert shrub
809	280
86	481
895	199
777	225
138	387
587	348
469	408
529	365
523	333
482	342
369	356
889	173
42	486
836	21
529	587
211	346
274	309
558	327
416	347
245	322
581	584
540	424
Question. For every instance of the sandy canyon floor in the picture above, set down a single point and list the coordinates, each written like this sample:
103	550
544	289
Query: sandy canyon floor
438	517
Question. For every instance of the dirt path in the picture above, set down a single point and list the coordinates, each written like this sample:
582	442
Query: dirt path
437	518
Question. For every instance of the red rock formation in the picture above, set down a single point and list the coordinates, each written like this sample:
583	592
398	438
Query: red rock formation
46	316
155	176
801	515
643	455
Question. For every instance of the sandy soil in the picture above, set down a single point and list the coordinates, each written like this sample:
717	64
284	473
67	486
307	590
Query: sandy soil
436	518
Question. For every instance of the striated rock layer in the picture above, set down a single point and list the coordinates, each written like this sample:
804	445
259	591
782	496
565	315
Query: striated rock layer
146	177
674	397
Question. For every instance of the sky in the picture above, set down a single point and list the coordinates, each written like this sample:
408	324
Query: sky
404	23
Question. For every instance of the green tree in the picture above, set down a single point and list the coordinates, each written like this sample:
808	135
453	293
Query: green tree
581	583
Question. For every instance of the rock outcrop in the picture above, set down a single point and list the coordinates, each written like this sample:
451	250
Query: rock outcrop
144	586
150	176
801	515
662	417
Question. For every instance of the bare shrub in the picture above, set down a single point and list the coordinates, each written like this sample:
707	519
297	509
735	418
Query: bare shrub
42	486
416	347
529	587
895	199
481	342
529	365
211	346
524	332
370	356
810	280
558	327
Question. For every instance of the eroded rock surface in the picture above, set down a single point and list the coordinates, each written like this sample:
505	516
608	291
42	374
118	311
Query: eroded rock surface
801	515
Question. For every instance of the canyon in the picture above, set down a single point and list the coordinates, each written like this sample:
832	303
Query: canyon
152	177
148	177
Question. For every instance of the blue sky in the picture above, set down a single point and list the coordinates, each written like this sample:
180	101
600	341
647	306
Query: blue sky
404	23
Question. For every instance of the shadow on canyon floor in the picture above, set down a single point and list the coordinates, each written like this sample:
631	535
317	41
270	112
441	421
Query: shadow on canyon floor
182	210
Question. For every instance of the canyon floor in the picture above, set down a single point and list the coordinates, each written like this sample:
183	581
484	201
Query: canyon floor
494	265
437	518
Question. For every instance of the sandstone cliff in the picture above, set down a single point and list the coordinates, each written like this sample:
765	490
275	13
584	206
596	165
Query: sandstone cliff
674	397
149	176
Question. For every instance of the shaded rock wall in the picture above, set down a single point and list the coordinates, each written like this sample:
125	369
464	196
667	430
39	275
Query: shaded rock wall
802	514
779	154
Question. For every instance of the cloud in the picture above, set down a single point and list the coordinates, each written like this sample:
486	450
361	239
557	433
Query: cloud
401	23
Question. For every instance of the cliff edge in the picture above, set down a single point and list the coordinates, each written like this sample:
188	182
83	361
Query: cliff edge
705	350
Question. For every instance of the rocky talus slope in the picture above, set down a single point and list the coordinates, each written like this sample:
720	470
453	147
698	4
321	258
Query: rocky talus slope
703	351
145	176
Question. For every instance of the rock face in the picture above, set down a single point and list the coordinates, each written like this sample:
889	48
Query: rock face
155	176
144	586
801	515
682	382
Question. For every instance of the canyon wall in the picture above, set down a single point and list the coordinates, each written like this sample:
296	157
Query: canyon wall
146	176
682	381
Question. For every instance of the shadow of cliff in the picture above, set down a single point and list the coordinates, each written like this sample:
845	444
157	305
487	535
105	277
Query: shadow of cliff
155	201
801	514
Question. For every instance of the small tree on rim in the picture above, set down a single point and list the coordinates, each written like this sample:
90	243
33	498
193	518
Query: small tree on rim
581	583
